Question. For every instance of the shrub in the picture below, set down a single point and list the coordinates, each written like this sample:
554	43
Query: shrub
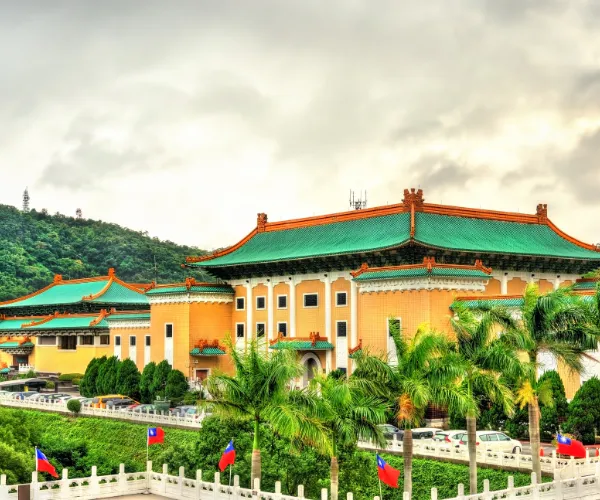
146	382
159	380
50	384
76	381
128	379
68	377
176	386
88	385
106	383
552	416
74	406
584	412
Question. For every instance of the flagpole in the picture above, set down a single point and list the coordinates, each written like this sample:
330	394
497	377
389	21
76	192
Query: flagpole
230	468
380	492
147	447
36	463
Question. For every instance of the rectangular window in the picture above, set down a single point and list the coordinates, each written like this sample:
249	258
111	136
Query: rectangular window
239	330
132	341
393	326
260	303
148	340
240	303
68	343
343	370
260	330
104	339
341	299
86	340
282	302
311	300
341	327
117	340
47	340
169	331
282	328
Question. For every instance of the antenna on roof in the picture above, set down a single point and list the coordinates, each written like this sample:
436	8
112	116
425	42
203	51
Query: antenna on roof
26	200
357	203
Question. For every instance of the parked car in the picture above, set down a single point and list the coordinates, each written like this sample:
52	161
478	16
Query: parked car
100	401
182	411
389	431
23	395
449	437
119	404
494	441
54	397
144	408
424	433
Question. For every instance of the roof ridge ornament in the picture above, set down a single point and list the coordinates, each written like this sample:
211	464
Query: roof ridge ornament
542	213
429	263
261	222
413	197
190	282
357	348
58	278
111	272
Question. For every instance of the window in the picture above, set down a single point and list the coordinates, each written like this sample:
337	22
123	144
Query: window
260	302
260	330
239	330
132	341
240	303
117	340
148	340
68	343
394	326
343	370
311	300
47	340
492	437
169	331
503	437
282	328
104	339
282	302
341	328
341	299
86	340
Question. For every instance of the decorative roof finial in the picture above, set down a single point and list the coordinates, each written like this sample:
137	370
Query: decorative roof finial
57	278
413	196
542	213
261	222
111	272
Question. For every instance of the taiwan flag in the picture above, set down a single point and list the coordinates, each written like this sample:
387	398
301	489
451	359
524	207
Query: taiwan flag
572	447
228	457
43	465
155	435
387	473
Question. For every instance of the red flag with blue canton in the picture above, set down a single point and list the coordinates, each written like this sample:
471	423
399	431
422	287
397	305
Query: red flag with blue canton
156	435
43	465
387	474
572	447
228	457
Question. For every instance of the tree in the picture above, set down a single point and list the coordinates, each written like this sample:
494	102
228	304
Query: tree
176	386
584	412
106	383
349	411
146	382
552	416
483	357
557	323
258	391
426	373
88	385
128	379
74	406
159	379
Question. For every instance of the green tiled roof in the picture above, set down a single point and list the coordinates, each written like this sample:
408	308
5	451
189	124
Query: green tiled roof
13	324
128	317
421	271
207	351
193	289
77	322
303	345
473	304
5	370
494	236
72	293
390	231
357	235
15	345
586	285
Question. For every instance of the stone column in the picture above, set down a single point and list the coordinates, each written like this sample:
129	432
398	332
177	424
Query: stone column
250	331
504	284
271	333
353	313
327	281
557	283
292	300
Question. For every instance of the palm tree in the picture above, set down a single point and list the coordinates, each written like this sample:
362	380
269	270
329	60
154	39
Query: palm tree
558	323
427	373
484	357
349	411
259	391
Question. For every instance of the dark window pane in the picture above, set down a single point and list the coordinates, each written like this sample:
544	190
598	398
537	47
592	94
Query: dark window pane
169	331
104	339
341	299
239	303
260	302
148	340
132	341
341	329
260	329
282	301
117	340
282	328
240	330
311	300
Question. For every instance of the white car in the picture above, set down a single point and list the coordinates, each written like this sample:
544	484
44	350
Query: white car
449	437
424	433
494	441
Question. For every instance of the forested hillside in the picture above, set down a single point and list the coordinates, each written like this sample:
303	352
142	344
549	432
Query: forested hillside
35	246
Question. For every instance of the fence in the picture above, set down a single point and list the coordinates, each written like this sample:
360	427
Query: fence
560	468
150	417
158	483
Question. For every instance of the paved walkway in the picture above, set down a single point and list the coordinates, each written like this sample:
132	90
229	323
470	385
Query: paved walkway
140	497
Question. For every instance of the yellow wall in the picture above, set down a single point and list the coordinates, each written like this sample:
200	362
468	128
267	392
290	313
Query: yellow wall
140	342
178	316
310	319
239	316
516	286
281	315
545	286
493	287
52	359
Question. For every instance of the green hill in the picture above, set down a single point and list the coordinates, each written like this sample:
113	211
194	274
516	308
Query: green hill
35	246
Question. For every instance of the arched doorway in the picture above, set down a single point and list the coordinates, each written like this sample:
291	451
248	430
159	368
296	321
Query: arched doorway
312	364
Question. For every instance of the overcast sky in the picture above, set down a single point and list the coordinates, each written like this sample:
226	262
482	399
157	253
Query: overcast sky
185	119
